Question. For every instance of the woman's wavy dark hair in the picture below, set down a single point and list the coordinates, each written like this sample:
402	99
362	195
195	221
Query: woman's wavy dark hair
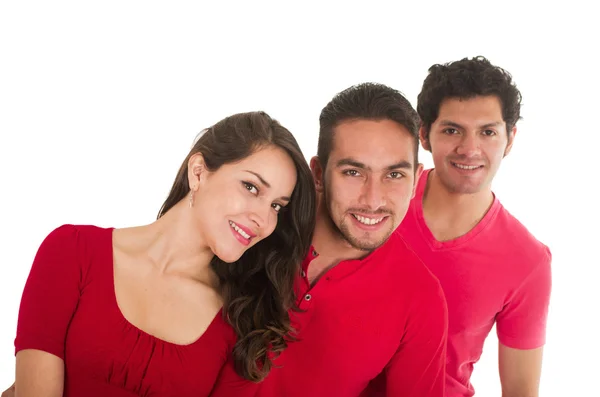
258	289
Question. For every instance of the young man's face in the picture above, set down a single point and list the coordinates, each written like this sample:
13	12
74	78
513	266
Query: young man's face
468	142
369	180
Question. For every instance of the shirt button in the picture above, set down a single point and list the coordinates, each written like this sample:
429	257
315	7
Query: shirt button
303	273
307	297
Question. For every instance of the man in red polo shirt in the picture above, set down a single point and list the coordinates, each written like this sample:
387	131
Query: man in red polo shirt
492	269
368	304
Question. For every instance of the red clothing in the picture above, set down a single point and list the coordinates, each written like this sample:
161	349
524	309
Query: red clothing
69	309
384	313
498	272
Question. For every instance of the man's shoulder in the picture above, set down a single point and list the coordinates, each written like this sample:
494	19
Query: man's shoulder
400	251
408	265
516	239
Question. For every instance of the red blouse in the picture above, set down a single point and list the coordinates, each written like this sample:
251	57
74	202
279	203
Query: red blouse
69	309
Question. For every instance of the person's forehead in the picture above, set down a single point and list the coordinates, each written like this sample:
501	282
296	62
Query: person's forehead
374	158
269	161
362	131
476	107
371	140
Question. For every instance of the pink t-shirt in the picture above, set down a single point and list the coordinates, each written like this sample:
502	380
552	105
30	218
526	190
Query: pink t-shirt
498	272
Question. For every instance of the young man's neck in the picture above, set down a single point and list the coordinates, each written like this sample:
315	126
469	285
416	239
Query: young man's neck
450	215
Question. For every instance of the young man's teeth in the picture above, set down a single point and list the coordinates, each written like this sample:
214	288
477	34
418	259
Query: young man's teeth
466	167
367	221
240	231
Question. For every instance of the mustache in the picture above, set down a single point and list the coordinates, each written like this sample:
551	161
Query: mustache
467	159
366	211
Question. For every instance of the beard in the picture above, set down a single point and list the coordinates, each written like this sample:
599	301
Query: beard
365	243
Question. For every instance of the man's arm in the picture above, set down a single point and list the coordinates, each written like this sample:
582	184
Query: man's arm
39	374
521	328
520	371
418	368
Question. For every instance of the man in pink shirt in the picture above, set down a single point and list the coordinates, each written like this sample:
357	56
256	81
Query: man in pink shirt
492	270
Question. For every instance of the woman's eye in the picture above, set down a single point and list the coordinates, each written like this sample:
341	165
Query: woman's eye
250	187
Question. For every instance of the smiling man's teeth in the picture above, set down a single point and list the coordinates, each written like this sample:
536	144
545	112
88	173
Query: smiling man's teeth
367	221
466	167
240	231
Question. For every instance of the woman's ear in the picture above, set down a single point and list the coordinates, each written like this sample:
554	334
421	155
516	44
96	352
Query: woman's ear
196	171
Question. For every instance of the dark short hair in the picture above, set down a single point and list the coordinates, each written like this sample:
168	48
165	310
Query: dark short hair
467	79
367	101
257	289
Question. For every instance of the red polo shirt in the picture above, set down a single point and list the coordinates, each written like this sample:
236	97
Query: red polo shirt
383	313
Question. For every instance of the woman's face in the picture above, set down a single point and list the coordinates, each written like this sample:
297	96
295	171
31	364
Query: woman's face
237	205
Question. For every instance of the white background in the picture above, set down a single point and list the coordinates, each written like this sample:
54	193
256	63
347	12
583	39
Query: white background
99	104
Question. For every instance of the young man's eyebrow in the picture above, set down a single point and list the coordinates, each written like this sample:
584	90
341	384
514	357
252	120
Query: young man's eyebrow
448	123
353	163
357	164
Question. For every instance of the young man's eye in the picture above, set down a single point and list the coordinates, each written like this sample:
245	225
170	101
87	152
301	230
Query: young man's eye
396	175
351	173
250	187
450	131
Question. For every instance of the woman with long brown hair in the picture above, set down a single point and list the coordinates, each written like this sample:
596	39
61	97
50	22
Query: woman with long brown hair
157	310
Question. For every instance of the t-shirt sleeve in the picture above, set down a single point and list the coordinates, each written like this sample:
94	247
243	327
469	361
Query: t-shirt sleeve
51	294
522	322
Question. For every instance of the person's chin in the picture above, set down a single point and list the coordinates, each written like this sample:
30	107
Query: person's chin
229	254
371	243
468	188
229	259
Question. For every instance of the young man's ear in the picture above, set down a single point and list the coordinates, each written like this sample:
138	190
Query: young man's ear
511	140
424	138
418	173
317	172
